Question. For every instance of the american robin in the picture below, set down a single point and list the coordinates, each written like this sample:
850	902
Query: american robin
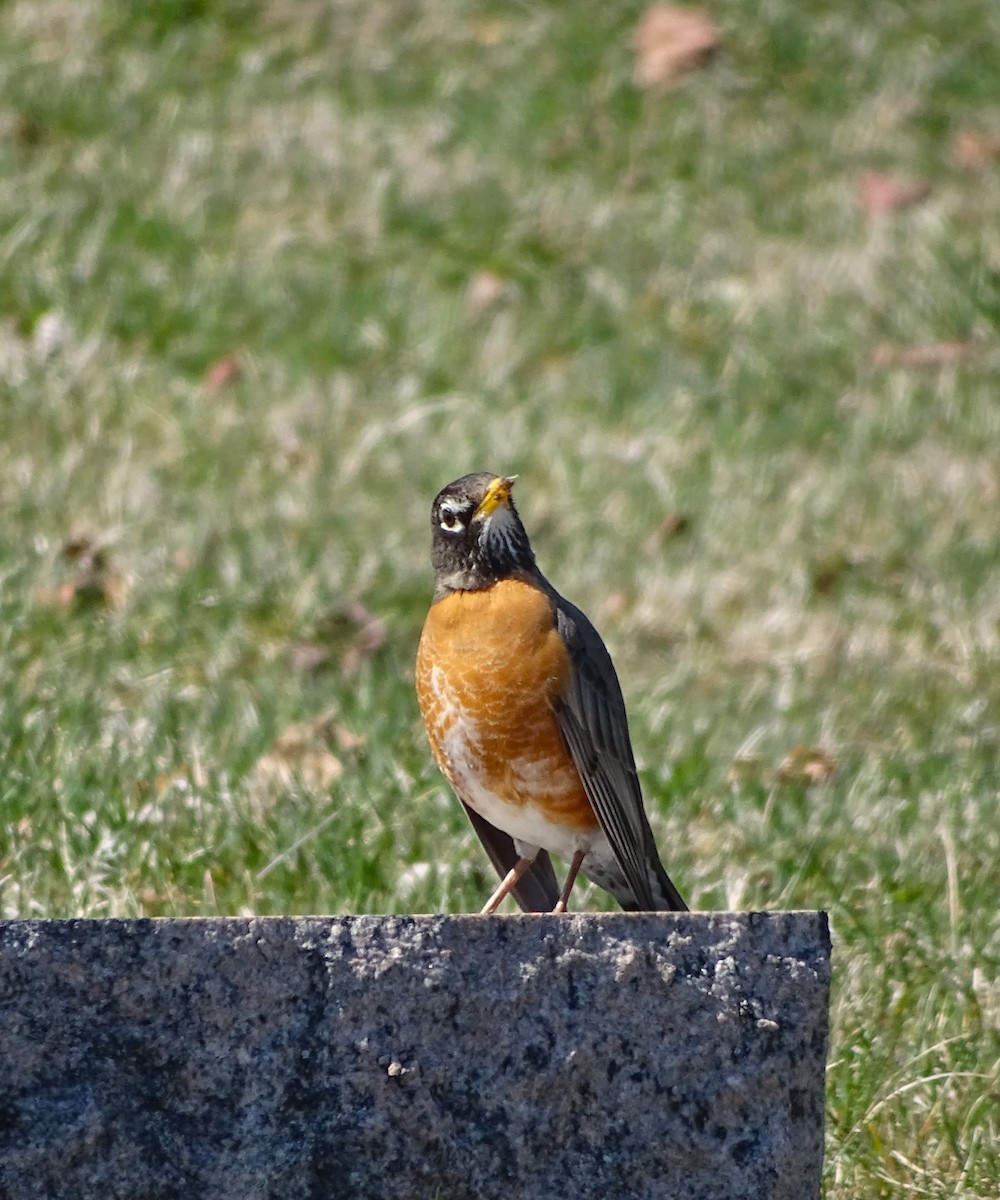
525	715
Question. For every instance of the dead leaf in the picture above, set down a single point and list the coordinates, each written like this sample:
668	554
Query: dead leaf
85	548
303	754
346	637
486	290
347	739
613	606
490	31
827	572
923	354
186	778
300	458
371	633
972	150
880	193
28	132
673	525
309	657
746	768
95	581
222	373
669	42
300	754
807	765
802	765
162	901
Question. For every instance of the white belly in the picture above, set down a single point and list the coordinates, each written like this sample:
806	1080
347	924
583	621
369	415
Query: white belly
527	780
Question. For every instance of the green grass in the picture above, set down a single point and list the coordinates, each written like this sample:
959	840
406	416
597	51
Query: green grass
690	312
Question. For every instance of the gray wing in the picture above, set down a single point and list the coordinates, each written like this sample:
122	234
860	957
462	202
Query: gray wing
538	889
593	723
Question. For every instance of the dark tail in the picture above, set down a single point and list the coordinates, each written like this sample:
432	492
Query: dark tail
666	897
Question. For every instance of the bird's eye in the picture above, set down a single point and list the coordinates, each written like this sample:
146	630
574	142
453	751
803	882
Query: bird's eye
451	521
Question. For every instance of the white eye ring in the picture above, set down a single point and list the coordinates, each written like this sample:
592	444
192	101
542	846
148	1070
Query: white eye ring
453	515
450	521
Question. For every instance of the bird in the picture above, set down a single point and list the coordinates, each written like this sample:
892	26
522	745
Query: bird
525	716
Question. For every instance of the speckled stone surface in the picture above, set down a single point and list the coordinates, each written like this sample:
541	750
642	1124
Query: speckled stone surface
642	1055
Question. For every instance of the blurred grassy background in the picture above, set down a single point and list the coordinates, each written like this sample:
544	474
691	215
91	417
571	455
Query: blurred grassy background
270	275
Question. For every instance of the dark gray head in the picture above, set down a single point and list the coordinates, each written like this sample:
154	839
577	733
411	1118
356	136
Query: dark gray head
476	535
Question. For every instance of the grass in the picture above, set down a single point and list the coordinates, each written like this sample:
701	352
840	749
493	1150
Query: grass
427	241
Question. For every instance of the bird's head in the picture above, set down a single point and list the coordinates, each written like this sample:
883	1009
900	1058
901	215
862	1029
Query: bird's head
476	535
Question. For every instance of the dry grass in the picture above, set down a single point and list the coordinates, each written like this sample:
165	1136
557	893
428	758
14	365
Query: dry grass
422	242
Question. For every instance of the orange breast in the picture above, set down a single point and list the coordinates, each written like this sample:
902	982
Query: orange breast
489	666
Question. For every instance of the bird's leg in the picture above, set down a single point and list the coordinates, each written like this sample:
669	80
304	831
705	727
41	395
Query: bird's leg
509	881
574	870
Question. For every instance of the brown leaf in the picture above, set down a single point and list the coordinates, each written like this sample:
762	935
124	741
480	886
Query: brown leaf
746	768
880	193
827	572
309	657
670	41
301	753
486	290
807	765
222	373
614	605
346	637
347	739
371	634
94	580
84	548
673	525
923	354
28	132
972	150
490	31
300	458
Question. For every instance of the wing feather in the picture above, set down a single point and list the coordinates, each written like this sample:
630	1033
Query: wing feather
594	725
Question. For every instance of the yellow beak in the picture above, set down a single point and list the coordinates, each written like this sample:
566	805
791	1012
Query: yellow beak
496	494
